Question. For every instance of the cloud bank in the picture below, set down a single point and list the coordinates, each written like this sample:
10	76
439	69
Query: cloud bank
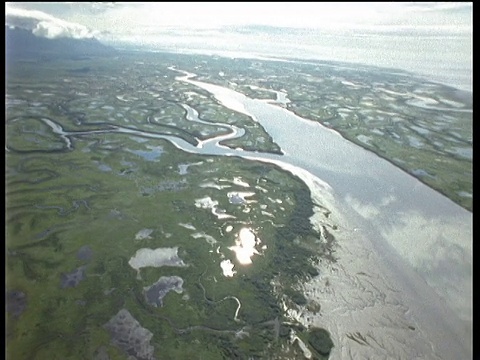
45	25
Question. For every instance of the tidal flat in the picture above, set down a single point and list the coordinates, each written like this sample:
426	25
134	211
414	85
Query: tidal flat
93	186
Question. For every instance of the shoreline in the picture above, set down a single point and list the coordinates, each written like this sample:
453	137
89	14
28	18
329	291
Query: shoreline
370	296
391	220
371	301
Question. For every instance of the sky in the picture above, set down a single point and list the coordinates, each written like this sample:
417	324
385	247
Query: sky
145	18
430	36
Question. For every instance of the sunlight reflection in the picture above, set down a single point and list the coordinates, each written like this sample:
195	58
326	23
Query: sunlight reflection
245	246
227	268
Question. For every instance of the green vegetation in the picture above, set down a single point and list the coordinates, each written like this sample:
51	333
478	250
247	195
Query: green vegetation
100	188
320	341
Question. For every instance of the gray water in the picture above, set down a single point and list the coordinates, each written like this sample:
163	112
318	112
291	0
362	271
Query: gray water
421	236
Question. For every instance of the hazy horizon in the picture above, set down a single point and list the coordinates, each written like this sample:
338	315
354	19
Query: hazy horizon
433	40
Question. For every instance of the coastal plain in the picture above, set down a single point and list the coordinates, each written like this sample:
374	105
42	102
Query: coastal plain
121	244
128	236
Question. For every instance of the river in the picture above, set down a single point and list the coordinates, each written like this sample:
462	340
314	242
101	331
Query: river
401	285
416	242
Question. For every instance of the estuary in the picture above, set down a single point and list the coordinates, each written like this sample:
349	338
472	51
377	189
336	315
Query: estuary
205	216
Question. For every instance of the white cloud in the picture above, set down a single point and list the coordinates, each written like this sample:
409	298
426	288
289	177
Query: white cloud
45	25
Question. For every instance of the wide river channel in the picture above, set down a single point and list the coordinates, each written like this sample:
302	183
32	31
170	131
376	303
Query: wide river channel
420	238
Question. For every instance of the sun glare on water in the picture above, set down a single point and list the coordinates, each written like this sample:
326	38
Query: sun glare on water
245	246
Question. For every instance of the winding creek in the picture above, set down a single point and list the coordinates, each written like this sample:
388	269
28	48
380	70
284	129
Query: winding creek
403	274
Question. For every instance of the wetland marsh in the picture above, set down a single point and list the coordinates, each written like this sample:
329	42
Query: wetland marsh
111	228
146	218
